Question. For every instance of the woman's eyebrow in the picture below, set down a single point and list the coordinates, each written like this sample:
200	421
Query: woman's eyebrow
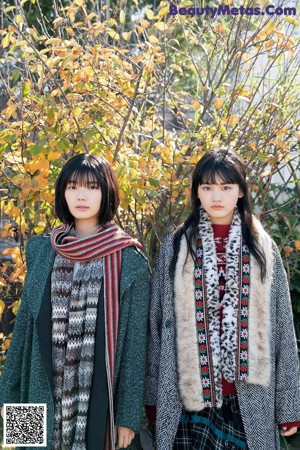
220	184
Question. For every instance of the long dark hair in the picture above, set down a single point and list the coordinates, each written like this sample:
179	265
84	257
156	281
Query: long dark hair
227	165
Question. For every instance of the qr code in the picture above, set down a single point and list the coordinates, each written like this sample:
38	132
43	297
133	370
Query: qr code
24	424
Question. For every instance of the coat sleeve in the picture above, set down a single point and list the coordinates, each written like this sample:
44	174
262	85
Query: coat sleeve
154	329
287	362
13	380
129	391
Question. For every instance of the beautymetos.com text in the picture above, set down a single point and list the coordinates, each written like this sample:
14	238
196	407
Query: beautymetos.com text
226	10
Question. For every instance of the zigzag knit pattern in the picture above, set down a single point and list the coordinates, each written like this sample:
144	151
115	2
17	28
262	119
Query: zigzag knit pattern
74	313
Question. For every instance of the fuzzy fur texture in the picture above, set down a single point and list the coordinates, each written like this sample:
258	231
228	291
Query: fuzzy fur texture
187	349
259	312
259	316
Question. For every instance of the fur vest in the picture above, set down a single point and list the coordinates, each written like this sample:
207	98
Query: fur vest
258	330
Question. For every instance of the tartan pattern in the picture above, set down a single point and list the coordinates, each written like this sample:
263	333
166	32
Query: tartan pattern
212	428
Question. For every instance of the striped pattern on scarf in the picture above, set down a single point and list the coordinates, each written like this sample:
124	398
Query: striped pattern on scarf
107	243
107	240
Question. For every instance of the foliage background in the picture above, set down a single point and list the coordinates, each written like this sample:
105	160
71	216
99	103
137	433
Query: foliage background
152	93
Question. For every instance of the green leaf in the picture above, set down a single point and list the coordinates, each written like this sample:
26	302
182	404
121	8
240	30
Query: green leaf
26	89
36	149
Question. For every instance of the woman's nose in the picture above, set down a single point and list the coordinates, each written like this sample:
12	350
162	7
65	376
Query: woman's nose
81	195
216	195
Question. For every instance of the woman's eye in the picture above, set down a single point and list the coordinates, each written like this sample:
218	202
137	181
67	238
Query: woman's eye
226	188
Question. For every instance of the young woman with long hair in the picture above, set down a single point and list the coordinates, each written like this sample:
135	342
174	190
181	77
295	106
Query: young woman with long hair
222	368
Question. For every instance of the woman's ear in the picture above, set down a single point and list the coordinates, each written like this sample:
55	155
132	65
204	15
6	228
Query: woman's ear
241	194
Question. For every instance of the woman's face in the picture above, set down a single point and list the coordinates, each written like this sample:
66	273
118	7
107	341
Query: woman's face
219	200
84	201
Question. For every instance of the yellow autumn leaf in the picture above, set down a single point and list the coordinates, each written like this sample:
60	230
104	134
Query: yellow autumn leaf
53	41
282	130
70	31
196	104
57	21
292	21
149	67
297	245
218	103
114	35
161	26
288	250
223	130
176	67
19	19
89	17
77	112
233	120
219	28
10	111
2	307
122	16
139	29
126	35
153	39
6	40
9	9
6	344
122	194
281	144
40	228
163	11
149	13
269	44
10	251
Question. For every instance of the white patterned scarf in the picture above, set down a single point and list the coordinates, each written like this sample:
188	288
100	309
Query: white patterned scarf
224	348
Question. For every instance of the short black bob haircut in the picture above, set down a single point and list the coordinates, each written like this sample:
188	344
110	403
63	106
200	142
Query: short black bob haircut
83	169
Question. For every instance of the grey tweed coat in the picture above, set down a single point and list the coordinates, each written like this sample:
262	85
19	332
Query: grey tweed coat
262	407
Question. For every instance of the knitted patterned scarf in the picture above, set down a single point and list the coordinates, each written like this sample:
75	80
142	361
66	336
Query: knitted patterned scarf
74	303
220	355
74	315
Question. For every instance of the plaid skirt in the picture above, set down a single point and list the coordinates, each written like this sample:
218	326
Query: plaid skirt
212	428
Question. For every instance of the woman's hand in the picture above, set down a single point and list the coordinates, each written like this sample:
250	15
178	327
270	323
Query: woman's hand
285	431
124	437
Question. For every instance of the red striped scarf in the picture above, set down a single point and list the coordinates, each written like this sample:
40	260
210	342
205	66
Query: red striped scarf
107	243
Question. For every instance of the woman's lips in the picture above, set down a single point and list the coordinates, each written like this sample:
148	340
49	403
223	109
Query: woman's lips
217	207
81	208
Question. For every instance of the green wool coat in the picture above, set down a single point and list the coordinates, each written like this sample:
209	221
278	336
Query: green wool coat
26	377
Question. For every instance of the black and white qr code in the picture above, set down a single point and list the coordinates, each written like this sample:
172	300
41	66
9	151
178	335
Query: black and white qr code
24	424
